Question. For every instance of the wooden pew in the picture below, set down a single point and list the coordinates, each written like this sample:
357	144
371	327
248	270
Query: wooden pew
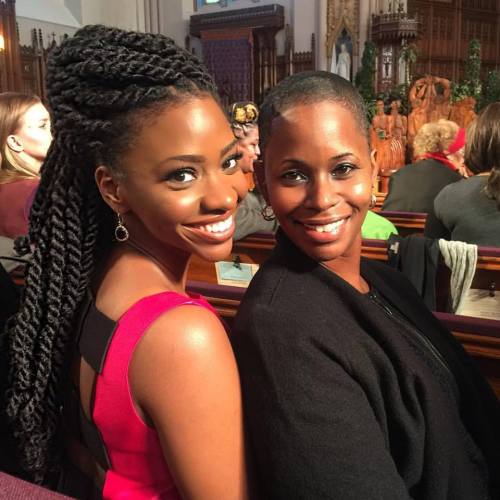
406	222
379	202
480	337
255	248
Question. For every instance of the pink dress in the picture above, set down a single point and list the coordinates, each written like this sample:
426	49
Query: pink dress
138	469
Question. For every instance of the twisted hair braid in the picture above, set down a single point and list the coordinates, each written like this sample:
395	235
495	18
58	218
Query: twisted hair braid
102	84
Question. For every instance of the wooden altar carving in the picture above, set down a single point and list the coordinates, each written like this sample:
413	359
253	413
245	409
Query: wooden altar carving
463	112
388	138
429	97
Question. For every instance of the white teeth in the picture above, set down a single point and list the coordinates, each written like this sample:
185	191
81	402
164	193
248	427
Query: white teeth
328	228
218	227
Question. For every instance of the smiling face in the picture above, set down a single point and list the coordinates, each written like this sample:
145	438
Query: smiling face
318	179
182	181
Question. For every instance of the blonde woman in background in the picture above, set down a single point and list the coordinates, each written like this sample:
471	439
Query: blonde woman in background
438	150
25	138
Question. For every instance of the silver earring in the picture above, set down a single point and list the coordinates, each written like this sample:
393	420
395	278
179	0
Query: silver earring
121	232
373	200
267	213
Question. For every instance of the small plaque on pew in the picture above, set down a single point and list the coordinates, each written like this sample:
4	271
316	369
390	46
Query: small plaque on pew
235	274
481	304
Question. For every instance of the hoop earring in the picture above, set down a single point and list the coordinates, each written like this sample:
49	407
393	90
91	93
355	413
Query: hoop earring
373	201
267	213
121	232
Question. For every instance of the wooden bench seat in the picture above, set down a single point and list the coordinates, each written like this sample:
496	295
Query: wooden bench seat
480	337
406	222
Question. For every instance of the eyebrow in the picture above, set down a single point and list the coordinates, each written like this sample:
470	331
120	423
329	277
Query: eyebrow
230	146
199	158
332	158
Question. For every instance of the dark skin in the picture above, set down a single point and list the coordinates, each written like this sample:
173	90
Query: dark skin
318	178
178	198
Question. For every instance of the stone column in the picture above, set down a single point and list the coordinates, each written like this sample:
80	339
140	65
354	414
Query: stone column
321	29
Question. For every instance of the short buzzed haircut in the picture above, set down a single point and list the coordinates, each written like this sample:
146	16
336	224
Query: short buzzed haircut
310	87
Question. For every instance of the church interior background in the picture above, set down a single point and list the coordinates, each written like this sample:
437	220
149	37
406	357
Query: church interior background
416	53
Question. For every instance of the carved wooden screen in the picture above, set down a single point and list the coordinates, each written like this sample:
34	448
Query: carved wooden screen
228	55
449	25
32	72
10	61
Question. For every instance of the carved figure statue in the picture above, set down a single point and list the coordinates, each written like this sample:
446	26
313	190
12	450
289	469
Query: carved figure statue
343	67
399	122
381	137
440	104
430	101
398	125
463	112
388	138
420	100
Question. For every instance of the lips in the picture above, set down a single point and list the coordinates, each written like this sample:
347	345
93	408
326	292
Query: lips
215	231
324	231
332	227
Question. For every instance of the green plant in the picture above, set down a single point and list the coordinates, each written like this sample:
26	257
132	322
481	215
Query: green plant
471	85
492	88
364	79
473	69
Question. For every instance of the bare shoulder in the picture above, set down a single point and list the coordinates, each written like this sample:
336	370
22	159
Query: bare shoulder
187	327
184	342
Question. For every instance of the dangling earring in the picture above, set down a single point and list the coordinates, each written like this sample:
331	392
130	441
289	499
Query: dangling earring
121	232
373	201
267	213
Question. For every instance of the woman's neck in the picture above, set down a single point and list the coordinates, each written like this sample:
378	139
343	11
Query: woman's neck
348	267
170	266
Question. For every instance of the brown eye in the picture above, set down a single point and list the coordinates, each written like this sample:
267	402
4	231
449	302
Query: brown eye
182	175
343	170
232	162
293	176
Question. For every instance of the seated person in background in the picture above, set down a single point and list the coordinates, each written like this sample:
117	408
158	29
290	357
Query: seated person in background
469	210
250	217
437	148
24	140
352	389
376	227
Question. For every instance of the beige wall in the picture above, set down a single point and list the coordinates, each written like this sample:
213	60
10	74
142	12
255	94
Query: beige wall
51	16
125	14
26	25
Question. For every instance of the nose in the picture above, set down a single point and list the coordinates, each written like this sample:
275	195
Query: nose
257	150
322	194
220	194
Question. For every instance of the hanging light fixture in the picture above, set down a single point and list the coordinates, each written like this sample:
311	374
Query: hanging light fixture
2	43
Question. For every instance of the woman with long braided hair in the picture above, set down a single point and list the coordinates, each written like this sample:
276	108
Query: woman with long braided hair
115	371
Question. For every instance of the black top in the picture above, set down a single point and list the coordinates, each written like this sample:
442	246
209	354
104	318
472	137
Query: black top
463	212
358	396
414	187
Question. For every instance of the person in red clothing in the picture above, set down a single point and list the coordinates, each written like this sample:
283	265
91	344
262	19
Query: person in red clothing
25	138
120	380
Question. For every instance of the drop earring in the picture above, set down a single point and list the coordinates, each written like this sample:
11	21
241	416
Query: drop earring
267	213
121	232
